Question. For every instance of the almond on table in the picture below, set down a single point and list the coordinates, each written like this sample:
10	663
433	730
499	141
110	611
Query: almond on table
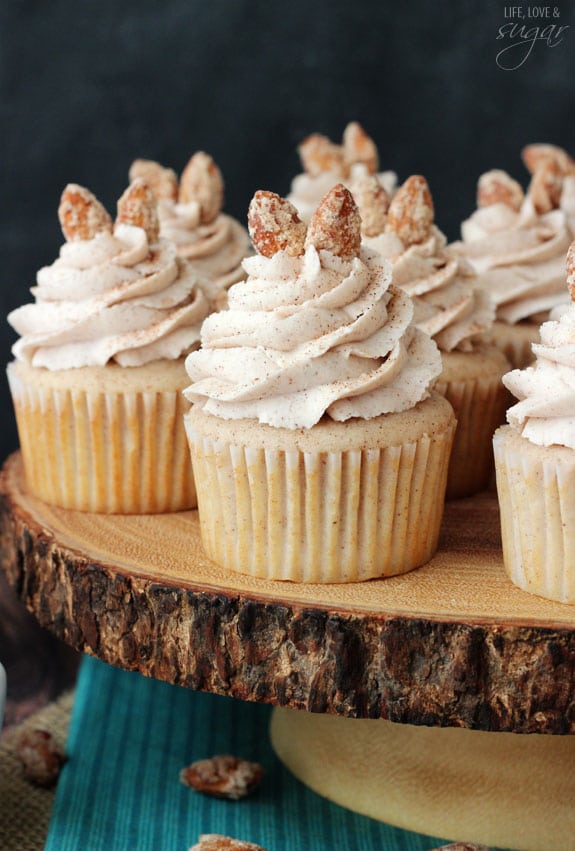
217	842
223	776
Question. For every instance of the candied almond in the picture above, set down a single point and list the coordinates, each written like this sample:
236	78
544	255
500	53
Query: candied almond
497	187
358	147
274	225
534	155
462	846
373	203
223	776
40	756
217	842
202	181
336	224
138	207
411	213
546	187
162	181
81	215
319	154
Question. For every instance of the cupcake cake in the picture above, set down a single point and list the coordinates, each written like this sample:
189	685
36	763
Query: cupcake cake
535	463
326	163
98	368
320	453
190	214
516	243
452	310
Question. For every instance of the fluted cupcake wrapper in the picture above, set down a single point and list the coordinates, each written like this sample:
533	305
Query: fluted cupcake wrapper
479	405
515	342
104	452
338	516
536	492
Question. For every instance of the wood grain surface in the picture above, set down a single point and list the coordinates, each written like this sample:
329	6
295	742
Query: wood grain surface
452	644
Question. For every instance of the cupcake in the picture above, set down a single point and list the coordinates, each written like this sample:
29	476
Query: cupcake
535	463
516	243
326	163
319	452
452	310
190	213
98	369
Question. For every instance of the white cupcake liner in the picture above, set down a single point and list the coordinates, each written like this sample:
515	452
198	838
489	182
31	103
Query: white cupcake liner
320	516
536	491
110	453
479	405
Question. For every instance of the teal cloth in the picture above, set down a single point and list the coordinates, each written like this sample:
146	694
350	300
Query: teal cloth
120	789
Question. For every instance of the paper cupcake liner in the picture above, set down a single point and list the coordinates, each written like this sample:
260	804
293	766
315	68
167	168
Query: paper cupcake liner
122	453
320	516
536	492
515	342
479	405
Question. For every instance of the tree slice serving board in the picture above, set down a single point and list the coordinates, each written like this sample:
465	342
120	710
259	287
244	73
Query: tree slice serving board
453	643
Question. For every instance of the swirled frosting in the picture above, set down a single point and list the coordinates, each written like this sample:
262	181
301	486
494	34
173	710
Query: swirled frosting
312	335
545	413
519	258
111	298
215	250
307	190
448	306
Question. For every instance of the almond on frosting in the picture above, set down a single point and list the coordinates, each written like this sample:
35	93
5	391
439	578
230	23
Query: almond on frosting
336	224
358	147
162	181
274	225
497	187
319	154
81	215
138	207
203	183
546	187
536	154
411	213
373	203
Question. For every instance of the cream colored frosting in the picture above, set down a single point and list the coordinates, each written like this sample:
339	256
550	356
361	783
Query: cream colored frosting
308	190
312	335
567	203
545	413
215	250
111	298
519	258
447	303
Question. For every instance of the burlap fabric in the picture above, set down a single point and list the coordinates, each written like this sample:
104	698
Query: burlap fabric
25	808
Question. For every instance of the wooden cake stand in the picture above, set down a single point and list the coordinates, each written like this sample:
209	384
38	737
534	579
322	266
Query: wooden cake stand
448	650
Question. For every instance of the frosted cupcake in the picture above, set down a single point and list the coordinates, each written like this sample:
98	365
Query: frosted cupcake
535	463
319	452
326	163
449	307
99	366
190	213
516	243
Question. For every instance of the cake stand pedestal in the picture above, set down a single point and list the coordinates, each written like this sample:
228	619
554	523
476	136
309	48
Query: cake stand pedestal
451	645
